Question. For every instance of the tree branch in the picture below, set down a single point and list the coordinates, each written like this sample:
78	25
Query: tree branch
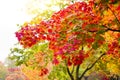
72	69
89	67
77	72
107	29
96	61
68	71
114	30
71	76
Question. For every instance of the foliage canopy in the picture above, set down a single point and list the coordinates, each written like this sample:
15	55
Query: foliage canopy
77	33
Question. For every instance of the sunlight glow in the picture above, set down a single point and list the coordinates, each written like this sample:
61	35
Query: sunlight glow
11	14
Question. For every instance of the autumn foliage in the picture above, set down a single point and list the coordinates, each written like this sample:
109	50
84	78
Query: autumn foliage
77	32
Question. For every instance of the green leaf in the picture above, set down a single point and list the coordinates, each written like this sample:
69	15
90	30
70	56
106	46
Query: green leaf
99	37
95	45
101	32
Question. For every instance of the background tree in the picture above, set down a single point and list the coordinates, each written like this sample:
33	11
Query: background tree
9	63
3	71
16	76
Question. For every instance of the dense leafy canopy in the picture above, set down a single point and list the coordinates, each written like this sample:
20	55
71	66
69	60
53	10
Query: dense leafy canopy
76	33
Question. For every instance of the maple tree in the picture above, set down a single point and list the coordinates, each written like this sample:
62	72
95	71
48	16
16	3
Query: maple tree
77	32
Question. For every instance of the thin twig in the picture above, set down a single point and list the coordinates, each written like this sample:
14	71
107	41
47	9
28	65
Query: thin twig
118	22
